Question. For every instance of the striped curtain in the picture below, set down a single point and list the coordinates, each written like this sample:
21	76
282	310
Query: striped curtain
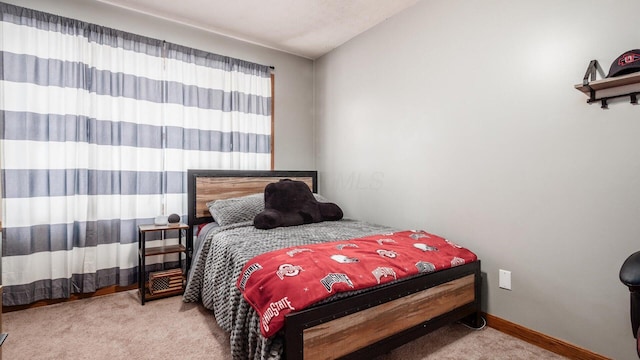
97	130
217	116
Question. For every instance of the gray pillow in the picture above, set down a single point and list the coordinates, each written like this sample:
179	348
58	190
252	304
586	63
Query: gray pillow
241	209
235	210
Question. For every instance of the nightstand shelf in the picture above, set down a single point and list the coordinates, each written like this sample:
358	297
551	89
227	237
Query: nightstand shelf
167	282
162	250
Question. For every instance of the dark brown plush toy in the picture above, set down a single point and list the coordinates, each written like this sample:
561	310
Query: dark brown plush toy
289	202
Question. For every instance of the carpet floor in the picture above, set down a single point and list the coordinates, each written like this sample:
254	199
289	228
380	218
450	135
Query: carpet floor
117	327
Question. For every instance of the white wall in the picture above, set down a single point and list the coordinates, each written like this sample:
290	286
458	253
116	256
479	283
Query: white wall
293	79
461	118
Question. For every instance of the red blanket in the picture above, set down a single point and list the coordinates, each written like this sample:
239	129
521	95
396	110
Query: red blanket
282	281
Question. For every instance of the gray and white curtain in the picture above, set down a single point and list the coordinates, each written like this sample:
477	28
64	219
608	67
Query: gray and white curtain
97	130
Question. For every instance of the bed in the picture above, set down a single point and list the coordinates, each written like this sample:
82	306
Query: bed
355	324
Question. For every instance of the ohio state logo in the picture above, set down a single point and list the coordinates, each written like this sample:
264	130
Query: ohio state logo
342	246
387	253
274	310
457	261
425	247
333	278
293	252
385	241
628	59
425	267
381	272
288	270
247	274
418	235
342	259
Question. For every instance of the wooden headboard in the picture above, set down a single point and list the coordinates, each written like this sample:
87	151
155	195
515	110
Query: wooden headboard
208	185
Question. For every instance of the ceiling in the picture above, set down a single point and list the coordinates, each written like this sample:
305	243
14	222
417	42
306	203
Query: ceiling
308	28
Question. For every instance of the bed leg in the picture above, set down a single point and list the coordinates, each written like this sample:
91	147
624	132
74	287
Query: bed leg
474	320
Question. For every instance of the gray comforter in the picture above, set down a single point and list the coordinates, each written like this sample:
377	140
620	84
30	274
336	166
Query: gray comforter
218	263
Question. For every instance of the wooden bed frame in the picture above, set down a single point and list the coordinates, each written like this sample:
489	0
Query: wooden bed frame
363	325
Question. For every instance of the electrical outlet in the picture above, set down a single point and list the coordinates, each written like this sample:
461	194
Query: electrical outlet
504	279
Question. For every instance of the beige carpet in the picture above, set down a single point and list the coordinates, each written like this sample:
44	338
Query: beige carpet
118	327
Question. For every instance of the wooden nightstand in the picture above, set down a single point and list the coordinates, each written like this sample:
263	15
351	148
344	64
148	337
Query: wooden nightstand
160	283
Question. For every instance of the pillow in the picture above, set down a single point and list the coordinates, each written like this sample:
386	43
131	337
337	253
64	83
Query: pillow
235	210
241	209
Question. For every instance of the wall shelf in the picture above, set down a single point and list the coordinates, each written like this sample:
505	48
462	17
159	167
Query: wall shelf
609	88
